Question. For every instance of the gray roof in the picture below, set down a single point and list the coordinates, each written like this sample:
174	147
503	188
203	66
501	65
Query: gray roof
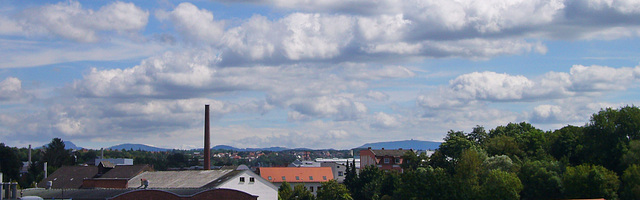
391	152
180	179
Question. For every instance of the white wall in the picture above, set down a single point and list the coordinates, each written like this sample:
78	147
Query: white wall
264	189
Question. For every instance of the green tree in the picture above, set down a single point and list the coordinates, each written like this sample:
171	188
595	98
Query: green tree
478	135
503	145
608	134
468	171
501	162
332	190
454	144
284	191
631	183
368	184
589	181
412	161
351	177
9	163
501	185
426	183
56	155
566	144
632	154
300	192
541	180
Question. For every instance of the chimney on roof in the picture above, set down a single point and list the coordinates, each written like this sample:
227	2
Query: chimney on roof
382	148
369	147
207	146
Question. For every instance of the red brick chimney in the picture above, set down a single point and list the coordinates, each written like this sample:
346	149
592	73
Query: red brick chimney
207	146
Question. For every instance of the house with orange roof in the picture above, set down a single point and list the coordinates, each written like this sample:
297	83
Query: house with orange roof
311	177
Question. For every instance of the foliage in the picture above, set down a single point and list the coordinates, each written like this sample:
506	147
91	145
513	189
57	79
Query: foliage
541	180
501	162
608	134
454	144
284	191
631	182
590	181
426	183
411	161
501	185
56	155
9	163
332	190
300	192
467	174
566	144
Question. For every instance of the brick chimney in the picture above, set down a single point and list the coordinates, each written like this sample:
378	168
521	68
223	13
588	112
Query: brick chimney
207	145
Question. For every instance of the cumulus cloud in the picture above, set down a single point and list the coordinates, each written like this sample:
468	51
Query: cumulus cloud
69	20
478	87
11	90
195	24
384	120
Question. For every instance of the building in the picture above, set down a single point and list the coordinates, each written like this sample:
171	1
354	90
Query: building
105	175
338	170
237	183
116	161
140	194
311	177
383	159
239	179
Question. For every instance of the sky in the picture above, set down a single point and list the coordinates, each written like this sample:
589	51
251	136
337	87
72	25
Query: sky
308	73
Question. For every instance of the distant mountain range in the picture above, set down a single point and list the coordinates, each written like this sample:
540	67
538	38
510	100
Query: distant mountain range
140	147
405	144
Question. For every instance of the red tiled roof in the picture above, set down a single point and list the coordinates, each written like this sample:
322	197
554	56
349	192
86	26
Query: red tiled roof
296	174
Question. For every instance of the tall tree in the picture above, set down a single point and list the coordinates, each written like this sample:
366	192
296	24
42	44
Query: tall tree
332	190
426	183
9	163
566	144
608	135
56	155
284	191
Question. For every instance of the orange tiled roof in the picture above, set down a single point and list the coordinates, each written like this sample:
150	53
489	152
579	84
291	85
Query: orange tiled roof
296	174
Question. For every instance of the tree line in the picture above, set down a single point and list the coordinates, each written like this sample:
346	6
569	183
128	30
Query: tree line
518	161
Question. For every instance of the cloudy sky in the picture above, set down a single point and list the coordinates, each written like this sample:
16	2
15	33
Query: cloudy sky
308	73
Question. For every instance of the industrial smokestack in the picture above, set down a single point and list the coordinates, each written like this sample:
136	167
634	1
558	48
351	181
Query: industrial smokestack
29	155
207	146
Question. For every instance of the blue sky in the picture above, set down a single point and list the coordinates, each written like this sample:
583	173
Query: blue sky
315	74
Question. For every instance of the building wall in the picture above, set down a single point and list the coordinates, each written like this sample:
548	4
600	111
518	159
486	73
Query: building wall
264	189
339	170
214	194
367	158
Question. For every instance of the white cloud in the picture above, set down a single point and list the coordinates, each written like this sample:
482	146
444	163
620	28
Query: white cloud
11	90
469	89
69	20
316	36
384	120
195	24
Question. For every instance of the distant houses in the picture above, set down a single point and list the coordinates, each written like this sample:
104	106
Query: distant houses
384	159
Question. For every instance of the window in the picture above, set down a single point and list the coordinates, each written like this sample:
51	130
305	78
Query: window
241	179
386	160
311	188
338	166
284	179
297	178
252	180
311	178
340	174
270	178
324	177
397	160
